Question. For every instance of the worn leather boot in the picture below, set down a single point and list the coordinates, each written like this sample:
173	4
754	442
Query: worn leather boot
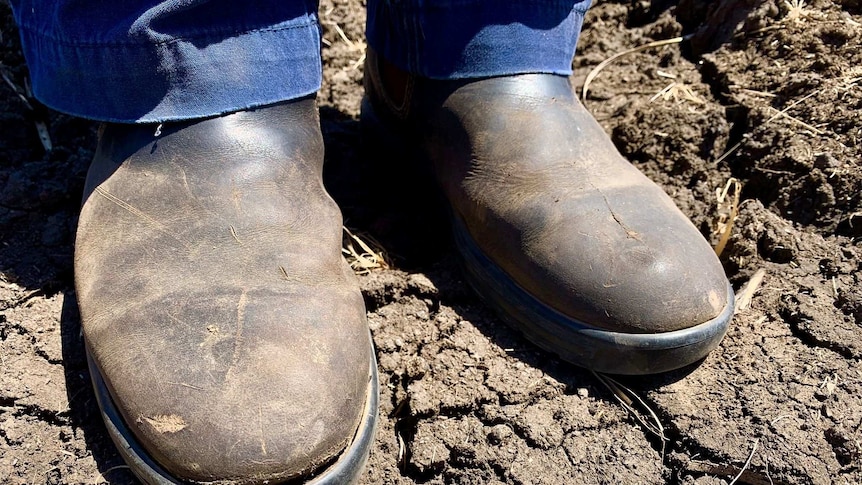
226	335
568	241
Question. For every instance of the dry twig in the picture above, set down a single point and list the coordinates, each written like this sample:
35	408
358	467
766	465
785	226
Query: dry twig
743	299
728	209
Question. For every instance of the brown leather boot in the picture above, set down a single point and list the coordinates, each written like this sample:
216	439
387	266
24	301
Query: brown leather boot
562	236
226	334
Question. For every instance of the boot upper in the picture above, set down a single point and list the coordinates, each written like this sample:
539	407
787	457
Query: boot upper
545	195
214	298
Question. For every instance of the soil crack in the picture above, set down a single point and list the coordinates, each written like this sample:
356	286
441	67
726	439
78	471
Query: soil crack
51	417
799	324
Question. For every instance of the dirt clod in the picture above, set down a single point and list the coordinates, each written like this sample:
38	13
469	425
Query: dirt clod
761	93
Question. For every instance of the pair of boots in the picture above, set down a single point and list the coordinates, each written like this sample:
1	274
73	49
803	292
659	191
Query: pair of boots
227	336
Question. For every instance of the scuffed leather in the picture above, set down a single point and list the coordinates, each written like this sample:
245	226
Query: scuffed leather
545	195
214	297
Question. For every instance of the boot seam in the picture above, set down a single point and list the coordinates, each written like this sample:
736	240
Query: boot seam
400	110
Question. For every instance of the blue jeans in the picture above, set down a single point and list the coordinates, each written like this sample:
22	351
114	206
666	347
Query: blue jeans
145	61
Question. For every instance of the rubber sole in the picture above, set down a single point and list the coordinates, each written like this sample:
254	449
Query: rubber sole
345	470
577	342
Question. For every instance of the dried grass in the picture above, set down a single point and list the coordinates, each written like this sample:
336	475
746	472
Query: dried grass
353	45
743	298
365	259
25	95
728	209
636	406
796	10
678	92
596	70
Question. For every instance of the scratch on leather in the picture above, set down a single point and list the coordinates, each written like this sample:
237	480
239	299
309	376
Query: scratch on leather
185	180
234	234
631	234
165	423
183	384
260	428
240	320
134	210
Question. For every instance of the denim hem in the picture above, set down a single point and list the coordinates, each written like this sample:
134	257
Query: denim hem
461	39
184	78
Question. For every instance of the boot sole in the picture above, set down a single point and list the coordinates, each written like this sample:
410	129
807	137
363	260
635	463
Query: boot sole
577	342
347	469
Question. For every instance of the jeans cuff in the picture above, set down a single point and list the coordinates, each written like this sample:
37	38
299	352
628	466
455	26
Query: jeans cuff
176	79
460	39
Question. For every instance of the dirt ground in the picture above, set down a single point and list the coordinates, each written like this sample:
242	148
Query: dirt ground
768	93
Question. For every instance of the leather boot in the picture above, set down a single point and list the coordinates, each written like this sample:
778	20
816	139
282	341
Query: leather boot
568	241
226	334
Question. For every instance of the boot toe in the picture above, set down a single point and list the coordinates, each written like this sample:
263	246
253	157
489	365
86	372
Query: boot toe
243	398
642	269
570	243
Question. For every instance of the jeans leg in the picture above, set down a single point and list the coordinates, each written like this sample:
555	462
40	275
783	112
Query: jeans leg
454	39
152	61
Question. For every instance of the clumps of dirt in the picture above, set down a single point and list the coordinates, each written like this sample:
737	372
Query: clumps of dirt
779	112
758	93
799	97
468	401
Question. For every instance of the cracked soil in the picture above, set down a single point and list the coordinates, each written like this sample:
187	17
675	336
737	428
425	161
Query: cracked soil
767	92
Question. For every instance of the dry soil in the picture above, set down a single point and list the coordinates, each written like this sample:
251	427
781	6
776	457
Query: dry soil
767	93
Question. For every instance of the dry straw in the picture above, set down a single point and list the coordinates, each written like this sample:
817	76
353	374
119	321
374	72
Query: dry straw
728	209
596	70
365	259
